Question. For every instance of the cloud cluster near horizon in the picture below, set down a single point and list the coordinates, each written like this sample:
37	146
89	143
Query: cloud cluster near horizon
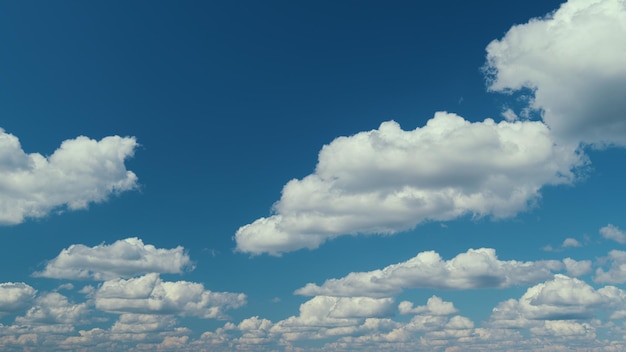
389	180
81	171
359	311
129	287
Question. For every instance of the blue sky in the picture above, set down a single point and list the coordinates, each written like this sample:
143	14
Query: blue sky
284	176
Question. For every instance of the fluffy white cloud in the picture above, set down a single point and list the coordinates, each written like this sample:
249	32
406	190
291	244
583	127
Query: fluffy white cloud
476	268
148	294
562	298
389	180
54	308
577	268
613	233
617	272
573	59
570	242
434	306
567	328
141	323
123	258
325	316
80	172
15	296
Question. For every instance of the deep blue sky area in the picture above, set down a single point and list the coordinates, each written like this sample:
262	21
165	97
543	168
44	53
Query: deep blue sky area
228	101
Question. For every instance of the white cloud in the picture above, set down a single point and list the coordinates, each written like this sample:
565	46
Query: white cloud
562	298
123	258
573	59
577	268
141	323
80	172
477	268
323	317
613	233
617	272
570	242
567	328
54	308
148	294
434	306
15	296
389	180
326	310
510	115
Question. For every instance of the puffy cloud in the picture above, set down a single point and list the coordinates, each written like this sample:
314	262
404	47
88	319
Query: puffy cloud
15	296
567	328
324	316
617	272
320	317
123	258
562	298
577	268
148	294
434	306
80	172
476	268
573	60
613	233
570	242
54	308
389	180
510	115
141	323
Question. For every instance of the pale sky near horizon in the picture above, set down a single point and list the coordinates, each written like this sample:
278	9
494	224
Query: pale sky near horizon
313	176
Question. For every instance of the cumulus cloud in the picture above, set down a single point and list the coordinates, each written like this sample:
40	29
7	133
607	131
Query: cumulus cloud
577	268
571	242
389	180
54	308
476	268
434	306
562	298
148	294
141	323
573	60
613	233
123	258
325	316
617	272
79	172
15	296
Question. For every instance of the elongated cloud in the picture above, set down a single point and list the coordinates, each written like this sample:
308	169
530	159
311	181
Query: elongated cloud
573	60
80	172
148	294
389	180
123	258
476	268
